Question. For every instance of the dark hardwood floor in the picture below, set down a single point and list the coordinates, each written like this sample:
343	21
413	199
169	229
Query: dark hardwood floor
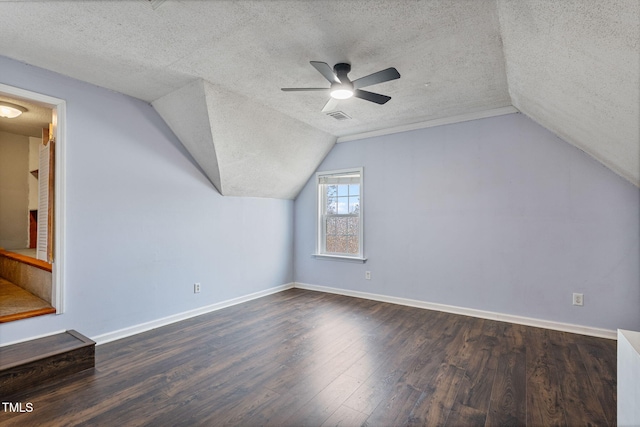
303	358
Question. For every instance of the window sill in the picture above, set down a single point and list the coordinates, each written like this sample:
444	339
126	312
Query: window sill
339	258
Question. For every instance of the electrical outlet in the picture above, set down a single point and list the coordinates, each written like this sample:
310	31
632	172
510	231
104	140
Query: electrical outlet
578	299
367	275
196	288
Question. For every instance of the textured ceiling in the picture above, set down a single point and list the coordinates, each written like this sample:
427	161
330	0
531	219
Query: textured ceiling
450	54
574	67
255	159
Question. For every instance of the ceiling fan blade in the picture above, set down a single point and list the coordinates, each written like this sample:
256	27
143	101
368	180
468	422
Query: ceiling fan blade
375	78
370	96
325	70
303	89
331	105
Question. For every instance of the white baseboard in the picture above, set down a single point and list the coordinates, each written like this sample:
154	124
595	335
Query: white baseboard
147	326
521	320
539	323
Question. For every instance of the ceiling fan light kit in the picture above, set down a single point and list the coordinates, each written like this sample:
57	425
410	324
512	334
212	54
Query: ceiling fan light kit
341	91
343	88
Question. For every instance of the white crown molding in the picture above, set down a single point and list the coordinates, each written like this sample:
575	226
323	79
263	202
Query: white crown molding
521	320
431	123
147	326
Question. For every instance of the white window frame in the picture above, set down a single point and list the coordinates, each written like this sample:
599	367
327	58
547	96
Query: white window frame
321	212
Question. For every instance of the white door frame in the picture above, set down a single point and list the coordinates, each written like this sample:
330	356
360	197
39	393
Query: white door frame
59	107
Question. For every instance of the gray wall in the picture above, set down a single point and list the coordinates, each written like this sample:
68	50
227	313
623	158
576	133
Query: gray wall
495	214
143	222
14	191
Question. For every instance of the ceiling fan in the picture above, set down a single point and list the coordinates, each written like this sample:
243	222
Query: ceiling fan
343	88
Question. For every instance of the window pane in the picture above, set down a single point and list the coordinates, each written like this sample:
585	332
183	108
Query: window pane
343	190
332	190
331	244
341	244
332	205
337	244
331	226
343	205
341	226
354	205
354	189
353	226
342	235
352	245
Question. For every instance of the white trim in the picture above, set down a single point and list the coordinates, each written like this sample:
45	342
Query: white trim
320	210
35	337
153	324
632	337
31	96
60	207
60	109
339	258
482	314
628	378
431	123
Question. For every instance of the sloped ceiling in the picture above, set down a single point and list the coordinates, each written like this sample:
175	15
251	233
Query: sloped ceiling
574	67
571	65
257	159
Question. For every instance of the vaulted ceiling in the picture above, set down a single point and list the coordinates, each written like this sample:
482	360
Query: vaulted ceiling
214	69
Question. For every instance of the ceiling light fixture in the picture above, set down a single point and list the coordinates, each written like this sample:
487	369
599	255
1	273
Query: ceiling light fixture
10	111
341	91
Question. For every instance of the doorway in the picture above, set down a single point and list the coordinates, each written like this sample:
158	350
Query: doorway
32	202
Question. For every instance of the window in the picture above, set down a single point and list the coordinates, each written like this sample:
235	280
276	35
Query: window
340	214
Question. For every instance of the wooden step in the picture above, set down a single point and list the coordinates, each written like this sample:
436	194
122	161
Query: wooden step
29	274
17	303
31	363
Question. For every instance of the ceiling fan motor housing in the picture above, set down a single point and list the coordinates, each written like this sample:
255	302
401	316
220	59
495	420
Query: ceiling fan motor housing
343	89
342	69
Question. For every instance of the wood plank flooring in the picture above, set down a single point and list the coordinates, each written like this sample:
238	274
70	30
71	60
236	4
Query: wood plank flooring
303	358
